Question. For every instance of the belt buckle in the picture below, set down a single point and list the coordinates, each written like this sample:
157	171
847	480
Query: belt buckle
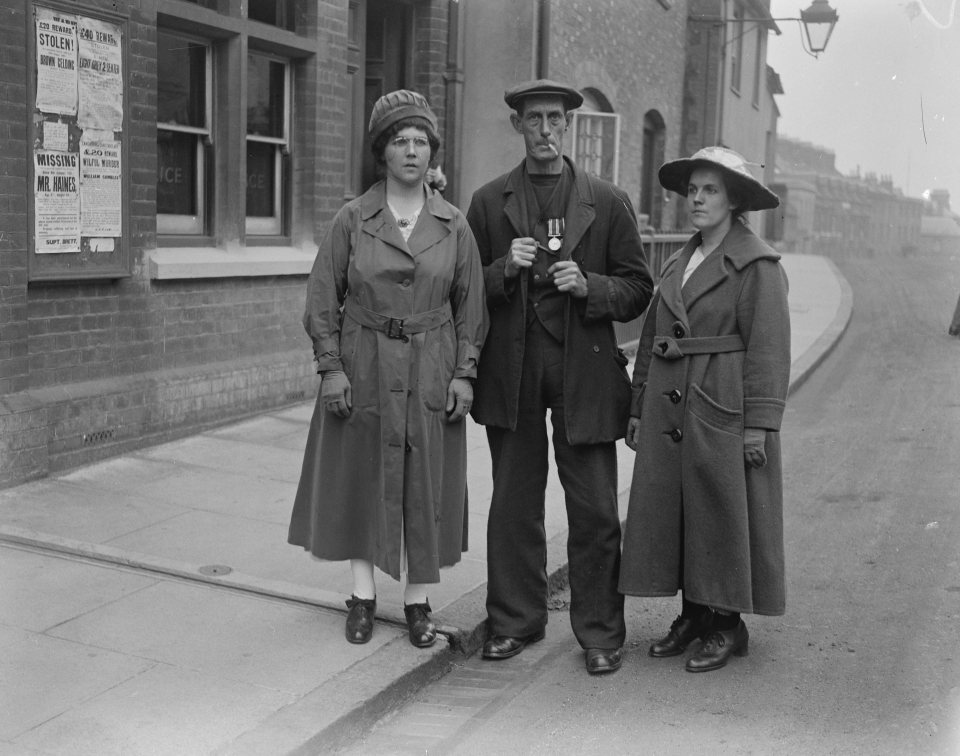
395	329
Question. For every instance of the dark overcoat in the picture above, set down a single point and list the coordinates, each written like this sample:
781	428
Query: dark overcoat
601	235
395	458
714	358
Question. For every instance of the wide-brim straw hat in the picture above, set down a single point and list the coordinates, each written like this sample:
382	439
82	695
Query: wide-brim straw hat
395	106
675	176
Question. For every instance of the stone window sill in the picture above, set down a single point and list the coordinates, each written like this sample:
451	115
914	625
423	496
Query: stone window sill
206	262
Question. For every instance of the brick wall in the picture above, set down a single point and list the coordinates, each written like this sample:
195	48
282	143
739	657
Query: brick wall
632	52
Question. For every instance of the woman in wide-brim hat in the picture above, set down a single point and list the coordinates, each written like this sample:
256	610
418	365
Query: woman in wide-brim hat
397	315
709	389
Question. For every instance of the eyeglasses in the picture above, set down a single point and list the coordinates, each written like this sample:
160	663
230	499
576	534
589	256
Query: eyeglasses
402	143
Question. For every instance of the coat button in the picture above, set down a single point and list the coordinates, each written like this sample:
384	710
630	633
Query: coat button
676	434
678	332
675	396
596	349
405	283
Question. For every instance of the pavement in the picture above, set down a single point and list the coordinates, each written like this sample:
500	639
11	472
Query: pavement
149	604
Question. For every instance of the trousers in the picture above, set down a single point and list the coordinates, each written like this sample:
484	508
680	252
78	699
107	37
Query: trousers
516	536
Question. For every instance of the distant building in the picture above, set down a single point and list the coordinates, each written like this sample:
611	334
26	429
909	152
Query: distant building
824	212
940	226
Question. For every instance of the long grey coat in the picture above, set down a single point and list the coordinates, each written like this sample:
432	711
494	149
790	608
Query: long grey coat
714	358
395	458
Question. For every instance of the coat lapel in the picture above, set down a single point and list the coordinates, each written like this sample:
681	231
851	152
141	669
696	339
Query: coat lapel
671	281
433	225
513	200
374	217
580	212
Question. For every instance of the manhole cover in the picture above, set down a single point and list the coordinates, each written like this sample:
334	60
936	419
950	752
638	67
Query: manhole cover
215	569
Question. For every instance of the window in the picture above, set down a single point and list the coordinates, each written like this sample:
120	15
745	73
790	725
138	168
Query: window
183	133
736	64
273	12
758	66
651	194
596	137
268	121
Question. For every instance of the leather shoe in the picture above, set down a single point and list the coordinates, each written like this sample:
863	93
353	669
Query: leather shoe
360	619
505	646
420	627
683	632
600	660
717	647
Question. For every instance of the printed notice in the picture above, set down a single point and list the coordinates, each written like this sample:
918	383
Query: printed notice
100	207
100	75
56	136
56	201
56	62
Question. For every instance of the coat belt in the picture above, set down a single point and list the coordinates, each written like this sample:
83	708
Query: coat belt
398	328
668	348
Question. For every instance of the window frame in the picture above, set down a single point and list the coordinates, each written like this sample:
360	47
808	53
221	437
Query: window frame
193	225
259	226
579	161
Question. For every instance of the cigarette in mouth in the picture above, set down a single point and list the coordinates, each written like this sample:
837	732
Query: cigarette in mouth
553	149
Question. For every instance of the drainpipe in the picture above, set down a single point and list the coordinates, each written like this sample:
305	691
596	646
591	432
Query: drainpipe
453	81
543	40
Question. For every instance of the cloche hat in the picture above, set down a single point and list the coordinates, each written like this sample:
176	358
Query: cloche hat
395	106
675	176
571	97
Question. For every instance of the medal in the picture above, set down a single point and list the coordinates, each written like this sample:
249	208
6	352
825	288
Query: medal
555	232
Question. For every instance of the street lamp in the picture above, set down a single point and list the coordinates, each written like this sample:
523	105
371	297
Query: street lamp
818	21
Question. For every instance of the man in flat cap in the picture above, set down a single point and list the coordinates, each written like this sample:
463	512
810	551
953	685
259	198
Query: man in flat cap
562	259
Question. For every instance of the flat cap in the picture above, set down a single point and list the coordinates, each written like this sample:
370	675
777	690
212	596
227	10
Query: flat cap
543	87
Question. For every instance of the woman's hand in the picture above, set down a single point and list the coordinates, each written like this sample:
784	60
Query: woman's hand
754	440
459	399
336	393
633	433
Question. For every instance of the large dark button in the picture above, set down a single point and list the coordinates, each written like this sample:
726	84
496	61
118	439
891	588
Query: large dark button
675	396
405	282
676	434
678	332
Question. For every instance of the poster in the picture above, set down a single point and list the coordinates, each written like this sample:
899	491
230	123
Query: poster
56	201
56	62
100	183
100	81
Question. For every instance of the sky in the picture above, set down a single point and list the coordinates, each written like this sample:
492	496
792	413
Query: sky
884	96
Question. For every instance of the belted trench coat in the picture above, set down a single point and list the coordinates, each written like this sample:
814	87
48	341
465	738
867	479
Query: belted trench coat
395	459
713	359
601	235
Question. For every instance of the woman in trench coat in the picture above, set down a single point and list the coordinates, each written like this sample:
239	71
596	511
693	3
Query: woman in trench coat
395	309
709	389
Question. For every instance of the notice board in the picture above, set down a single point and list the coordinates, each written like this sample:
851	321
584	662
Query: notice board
78	165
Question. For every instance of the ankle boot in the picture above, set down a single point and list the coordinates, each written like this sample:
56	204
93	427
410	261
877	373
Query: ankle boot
360	619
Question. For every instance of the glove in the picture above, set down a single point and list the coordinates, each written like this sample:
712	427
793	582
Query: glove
754	440
336	393
459	399
633	433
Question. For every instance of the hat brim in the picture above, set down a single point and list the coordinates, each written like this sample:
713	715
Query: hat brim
543	88
675	176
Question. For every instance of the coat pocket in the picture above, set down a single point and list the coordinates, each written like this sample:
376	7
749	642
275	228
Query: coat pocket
713	414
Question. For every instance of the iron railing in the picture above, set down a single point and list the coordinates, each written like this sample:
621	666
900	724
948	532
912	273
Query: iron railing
658	248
